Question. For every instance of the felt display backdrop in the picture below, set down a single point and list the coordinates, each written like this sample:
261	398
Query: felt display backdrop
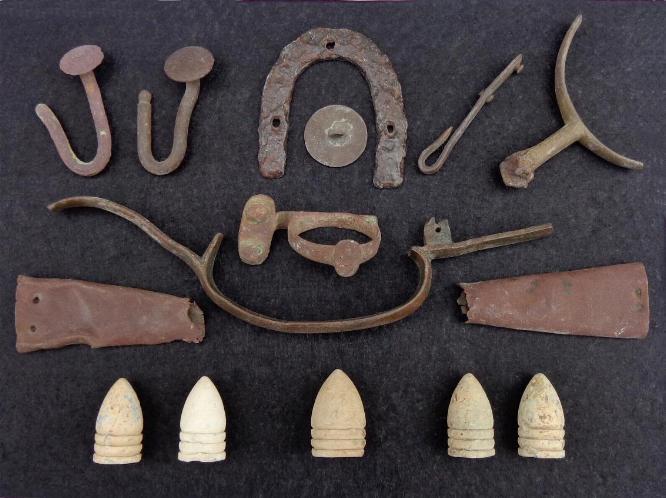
444	53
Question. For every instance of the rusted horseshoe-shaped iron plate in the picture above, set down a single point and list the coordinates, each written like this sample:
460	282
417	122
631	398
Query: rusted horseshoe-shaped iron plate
322	44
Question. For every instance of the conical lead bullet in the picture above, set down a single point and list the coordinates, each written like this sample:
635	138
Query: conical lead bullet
540	420
470	421
119	426
203	425
338	419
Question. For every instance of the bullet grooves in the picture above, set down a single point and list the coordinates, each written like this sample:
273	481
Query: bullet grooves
338	422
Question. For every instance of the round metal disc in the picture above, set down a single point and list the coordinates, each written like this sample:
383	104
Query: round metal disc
335	136
81	60
189	64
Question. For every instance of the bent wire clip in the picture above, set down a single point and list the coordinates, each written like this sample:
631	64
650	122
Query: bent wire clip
81	61
438	245
485	97
187	65
518	169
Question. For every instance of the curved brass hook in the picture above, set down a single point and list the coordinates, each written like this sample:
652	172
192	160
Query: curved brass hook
485	97
81	61
518	169
437	246
187	65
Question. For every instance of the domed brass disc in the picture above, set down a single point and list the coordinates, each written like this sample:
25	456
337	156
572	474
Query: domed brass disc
335	136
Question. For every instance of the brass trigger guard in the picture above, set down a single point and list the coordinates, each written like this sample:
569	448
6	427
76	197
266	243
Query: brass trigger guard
436	247
260	221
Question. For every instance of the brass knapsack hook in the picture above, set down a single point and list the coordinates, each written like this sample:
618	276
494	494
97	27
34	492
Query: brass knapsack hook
81	61
187	65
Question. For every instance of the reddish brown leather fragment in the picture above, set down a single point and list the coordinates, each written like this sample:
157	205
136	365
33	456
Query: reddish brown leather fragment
52	313
608	301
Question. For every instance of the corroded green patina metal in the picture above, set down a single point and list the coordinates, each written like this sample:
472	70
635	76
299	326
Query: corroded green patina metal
260	220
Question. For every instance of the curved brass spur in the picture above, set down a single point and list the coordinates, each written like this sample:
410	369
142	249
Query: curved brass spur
518	169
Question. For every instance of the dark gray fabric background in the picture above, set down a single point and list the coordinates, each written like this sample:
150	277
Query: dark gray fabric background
444	53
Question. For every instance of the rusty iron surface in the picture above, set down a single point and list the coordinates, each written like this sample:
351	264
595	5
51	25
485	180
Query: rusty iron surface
607	301
321	44
335	136
436	247
188	65
485	97
260	220
54	313
81	61
518	169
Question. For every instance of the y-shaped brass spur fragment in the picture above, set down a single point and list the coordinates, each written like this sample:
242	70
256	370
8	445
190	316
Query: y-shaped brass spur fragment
438	245
485	97
187	65
518	169
81	61
260	220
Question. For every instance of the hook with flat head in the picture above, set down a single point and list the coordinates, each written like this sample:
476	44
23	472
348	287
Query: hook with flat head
187	65
518	169
81	61
485	97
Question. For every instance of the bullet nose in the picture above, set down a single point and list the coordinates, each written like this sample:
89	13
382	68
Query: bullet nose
470	421
119	426
338	419
540	420
203	424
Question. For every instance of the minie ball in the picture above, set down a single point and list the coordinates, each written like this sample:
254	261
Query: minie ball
470	421
540	420
119	426
338	419
203	425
